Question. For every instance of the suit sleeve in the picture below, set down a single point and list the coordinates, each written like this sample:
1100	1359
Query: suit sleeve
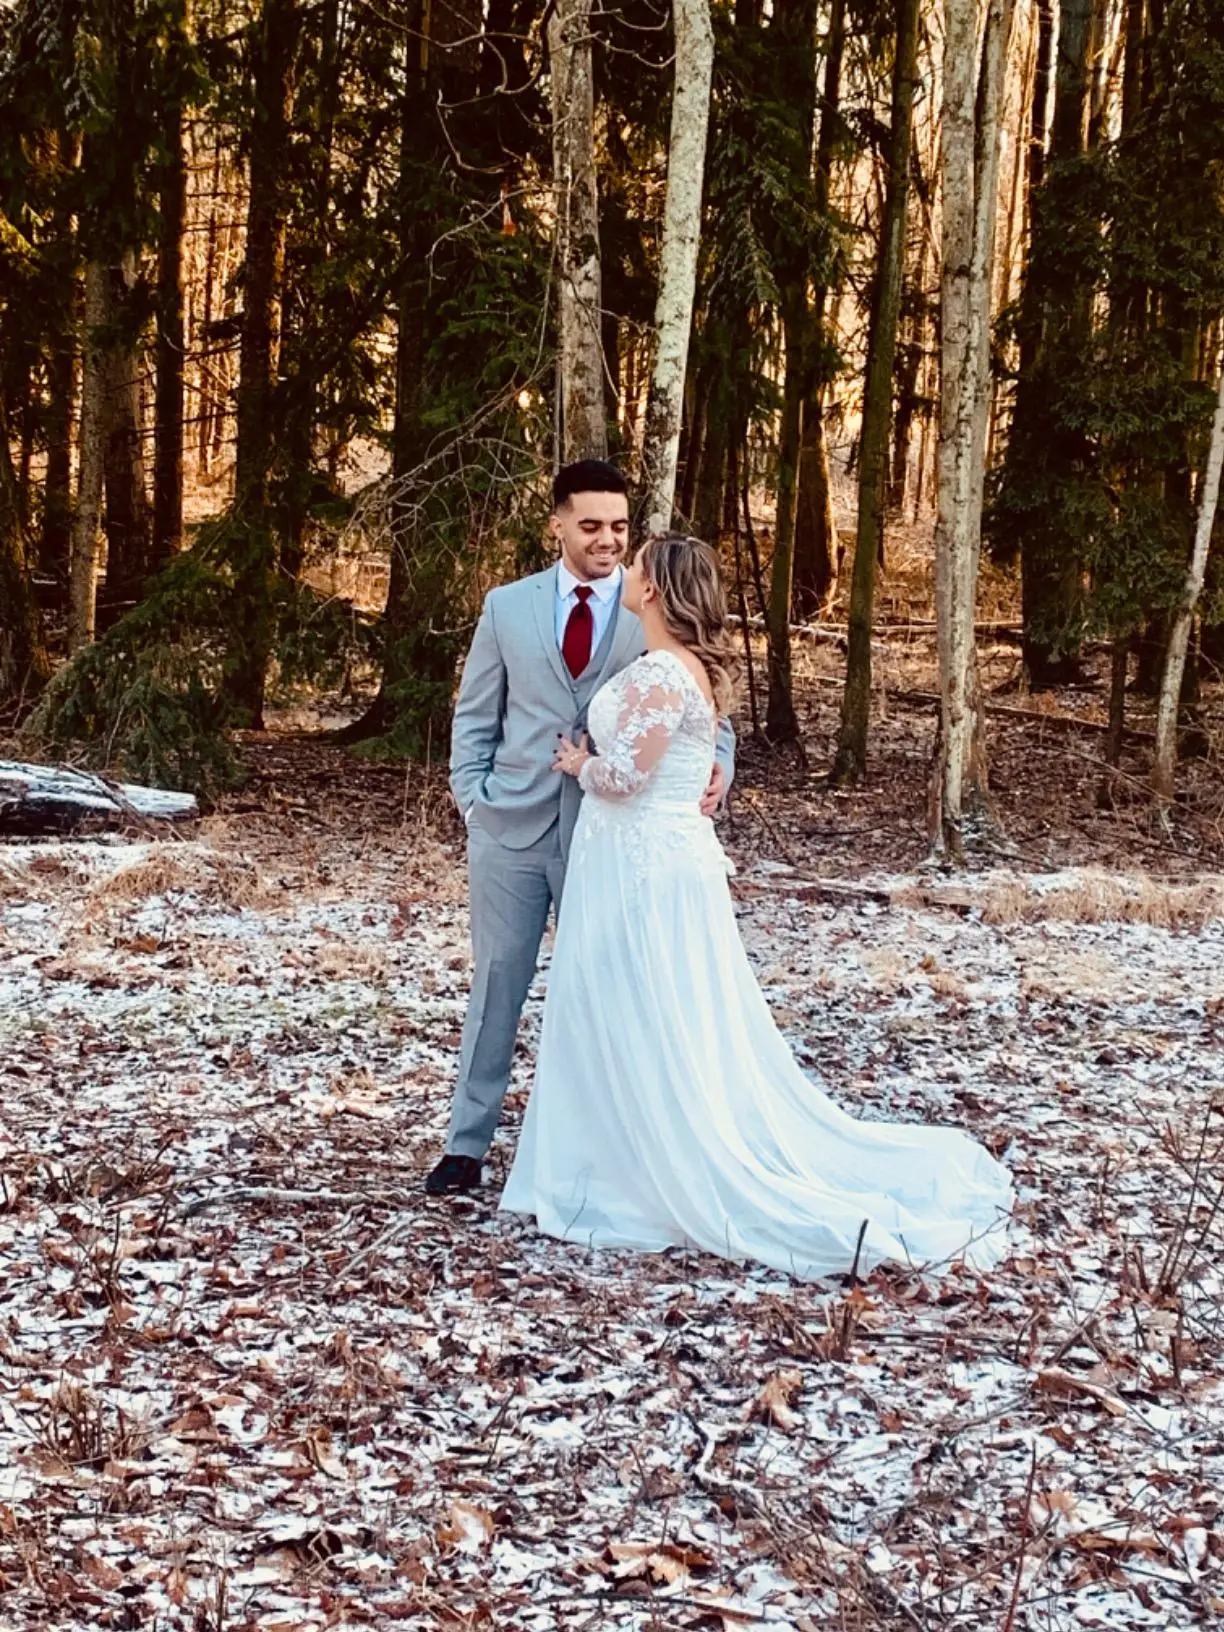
479	710
724	749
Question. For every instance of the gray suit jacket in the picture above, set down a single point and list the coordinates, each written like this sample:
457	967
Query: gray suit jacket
516	694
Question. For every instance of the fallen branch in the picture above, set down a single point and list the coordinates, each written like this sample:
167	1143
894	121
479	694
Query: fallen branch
267	1192
1035	716
838	891
835	632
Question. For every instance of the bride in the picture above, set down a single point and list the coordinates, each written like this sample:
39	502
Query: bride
667	1108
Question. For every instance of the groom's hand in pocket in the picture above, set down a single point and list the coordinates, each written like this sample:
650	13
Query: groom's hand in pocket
716	789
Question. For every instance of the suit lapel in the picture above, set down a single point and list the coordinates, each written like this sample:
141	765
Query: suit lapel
546	623
595	670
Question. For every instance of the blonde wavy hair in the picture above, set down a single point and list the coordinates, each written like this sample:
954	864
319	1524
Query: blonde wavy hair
693	600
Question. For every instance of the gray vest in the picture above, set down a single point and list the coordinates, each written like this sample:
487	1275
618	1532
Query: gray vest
515	697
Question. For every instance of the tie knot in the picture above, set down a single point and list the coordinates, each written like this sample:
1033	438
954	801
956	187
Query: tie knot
583	592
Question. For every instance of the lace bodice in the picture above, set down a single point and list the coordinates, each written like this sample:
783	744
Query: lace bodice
654	730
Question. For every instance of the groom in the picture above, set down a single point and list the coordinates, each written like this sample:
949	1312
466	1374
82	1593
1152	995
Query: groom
542	649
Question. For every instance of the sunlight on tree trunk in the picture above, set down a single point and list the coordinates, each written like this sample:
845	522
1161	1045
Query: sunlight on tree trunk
971	133
850	764
83	560
127	519
1164	762
580	364
678	259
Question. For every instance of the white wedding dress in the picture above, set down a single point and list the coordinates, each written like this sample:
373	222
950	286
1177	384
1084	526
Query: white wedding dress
667	1108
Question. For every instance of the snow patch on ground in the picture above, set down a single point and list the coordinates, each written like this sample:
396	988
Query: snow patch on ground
247	1371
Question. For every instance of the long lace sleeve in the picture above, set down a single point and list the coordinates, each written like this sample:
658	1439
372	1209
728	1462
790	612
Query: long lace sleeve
648	719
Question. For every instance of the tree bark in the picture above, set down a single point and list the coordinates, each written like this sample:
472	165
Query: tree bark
580	367
24	666
212	260
127	522
781	721
1051	311
172	222
412	707
816	553
971	130
91	463
678	257
911	350
792	33
850	764
275	52
709	500
55	535
1164	761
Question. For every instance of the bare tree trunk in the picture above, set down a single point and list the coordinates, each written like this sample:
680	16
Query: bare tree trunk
413	704
1118	663
678	258
910	357
850	764
91	464
208	390
1051	309
172	222
792	34
816	554
127	521
971	130
781	721
708	500
584	433
54	540
23	657
731	524
275	53
1164	761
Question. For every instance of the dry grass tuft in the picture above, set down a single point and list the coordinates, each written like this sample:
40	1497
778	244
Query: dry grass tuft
346	961
1096	898
226	881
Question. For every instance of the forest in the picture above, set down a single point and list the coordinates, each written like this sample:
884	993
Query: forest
301	304
915	313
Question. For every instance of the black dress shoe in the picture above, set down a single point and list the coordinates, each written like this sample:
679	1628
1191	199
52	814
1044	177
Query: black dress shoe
454	1175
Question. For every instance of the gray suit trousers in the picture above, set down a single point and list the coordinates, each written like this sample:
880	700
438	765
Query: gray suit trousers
510	893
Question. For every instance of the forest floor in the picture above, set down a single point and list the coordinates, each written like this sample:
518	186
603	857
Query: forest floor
250	1377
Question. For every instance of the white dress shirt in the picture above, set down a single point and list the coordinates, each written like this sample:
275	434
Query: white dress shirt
602	602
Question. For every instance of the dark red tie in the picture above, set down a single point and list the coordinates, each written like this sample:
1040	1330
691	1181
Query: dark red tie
579	633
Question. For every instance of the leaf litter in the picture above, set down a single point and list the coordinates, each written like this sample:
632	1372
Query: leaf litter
251	1378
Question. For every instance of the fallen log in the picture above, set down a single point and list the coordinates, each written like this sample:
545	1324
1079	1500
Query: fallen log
837	633
1034	716
37	799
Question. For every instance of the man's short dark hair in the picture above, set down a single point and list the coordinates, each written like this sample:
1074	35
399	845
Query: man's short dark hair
587	476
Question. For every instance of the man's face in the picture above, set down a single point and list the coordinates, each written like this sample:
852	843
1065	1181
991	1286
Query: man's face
593	532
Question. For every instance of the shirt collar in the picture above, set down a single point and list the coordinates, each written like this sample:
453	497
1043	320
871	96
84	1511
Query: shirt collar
605	589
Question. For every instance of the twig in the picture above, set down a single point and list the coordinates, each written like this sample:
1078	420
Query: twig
399	1227
1010	1619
